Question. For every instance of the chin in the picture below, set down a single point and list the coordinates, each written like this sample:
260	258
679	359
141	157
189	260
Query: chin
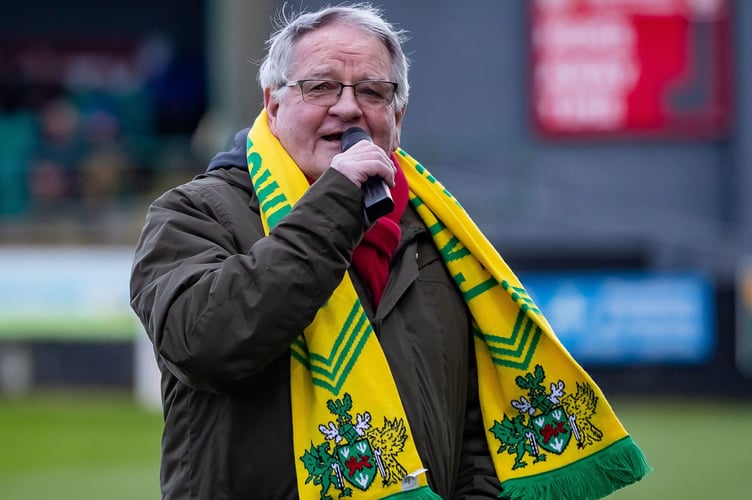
330	147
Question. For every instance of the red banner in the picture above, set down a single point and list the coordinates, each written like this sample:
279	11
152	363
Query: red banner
631	67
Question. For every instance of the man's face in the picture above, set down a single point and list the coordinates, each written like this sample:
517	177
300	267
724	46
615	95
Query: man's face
311	133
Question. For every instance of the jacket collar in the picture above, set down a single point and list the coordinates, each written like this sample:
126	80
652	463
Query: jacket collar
235	157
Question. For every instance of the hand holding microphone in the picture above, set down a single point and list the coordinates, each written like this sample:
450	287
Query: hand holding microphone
377	198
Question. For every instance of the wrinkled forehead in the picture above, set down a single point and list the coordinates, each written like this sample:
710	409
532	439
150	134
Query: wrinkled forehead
337	45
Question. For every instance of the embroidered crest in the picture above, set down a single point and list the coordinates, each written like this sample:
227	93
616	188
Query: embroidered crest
547	421
360	453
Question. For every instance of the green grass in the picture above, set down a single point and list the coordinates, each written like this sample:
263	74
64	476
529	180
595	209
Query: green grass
86	447
78	447
700	448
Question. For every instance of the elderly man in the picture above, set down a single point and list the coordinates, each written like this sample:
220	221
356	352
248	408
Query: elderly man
306	350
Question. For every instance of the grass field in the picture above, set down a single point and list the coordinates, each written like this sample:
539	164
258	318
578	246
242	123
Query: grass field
73	446
701	449
87	447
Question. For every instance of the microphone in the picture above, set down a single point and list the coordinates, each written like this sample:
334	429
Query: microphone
377	199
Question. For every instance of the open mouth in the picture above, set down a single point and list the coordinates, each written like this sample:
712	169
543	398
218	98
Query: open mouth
333	137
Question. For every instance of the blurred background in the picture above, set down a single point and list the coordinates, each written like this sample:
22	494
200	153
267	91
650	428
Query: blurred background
603	146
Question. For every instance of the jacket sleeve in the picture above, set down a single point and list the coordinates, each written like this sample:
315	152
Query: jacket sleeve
219	314
477	476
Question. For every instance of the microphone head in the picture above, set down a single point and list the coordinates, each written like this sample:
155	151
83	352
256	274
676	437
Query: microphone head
352	136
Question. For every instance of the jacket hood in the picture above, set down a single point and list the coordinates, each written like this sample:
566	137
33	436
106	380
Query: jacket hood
235	157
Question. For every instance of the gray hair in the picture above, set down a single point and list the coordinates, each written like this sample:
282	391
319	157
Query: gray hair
276	63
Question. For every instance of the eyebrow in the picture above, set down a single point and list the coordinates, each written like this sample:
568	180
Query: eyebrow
326	74
322	76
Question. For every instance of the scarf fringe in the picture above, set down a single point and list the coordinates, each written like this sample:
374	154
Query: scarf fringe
422	493
597	476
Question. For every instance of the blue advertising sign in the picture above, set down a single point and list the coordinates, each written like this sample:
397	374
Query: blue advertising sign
605	318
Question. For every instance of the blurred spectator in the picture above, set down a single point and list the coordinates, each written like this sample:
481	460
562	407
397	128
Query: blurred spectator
53	170
89	125
17	136
102	176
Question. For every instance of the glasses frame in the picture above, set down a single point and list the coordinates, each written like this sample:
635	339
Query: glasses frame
300	83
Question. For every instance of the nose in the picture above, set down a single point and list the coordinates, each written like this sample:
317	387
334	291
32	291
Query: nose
347	105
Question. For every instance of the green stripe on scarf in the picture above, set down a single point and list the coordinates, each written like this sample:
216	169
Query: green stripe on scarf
550	431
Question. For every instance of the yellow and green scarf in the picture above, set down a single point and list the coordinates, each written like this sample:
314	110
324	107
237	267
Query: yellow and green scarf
550	431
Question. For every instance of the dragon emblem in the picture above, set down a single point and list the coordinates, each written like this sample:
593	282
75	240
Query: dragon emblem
360	452
547	419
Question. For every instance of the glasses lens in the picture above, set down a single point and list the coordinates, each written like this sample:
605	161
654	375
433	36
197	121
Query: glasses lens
320	91
327	92
375	92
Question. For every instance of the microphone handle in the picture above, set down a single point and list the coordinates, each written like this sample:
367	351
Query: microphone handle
377	198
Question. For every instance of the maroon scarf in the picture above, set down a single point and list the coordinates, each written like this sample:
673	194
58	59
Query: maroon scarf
373	255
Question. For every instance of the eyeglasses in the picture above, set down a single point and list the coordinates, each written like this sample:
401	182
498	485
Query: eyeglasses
328	92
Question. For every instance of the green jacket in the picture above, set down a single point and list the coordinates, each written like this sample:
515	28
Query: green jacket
222	303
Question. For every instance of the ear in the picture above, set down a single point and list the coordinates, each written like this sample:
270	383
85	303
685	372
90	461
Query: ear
272	106
398	116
